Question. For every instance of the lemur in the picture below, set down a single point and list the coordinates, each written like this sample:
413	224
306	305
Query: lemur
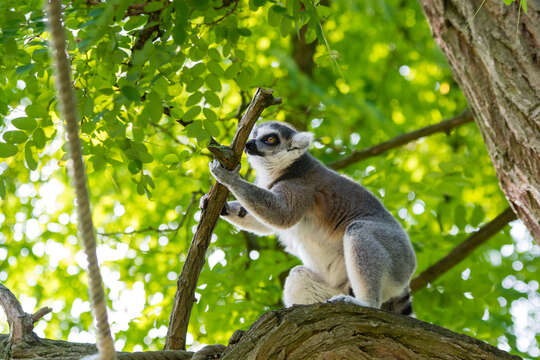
351	247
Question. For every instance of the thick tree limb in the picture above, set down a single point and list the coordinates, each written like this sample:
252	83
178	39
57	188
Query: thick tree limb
184	298
444	126
315	332
347	331
463	250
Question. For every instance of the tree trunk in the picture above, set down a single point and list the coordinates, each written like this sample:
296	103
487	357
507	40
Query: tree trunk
320	331
495	59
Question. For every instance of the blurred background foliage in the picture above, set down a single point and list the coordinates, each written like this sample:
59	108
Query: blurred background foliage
155	80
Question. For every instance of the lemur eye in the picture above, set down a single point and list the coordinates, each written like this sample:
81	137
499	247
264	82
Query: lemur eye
271	140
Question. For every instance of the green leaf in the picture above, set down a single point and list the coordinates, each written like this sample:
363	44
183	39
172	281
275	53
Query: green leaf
15	137
213	83
130	93
215	69
244	32
210	115
193	99
275	14
477	215
170	159
460	216
212	99
154	107
38	136
2	188
214	54
7	150
194	84
134	166
153	6
191	113
24	123
30	161
135	22
211	127
22	69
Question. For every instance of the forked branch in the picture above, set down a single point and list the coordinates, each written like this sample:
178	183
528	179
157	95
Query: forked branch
20	323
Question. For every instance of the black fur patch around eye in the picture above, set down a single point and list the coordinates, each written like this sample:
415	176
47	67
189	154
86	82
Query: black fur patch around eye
285	131
266	137
242	212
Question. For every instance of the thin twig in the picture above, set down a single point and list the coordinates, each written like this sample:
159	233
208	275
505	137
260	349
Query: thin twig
444	126
153	229
40	313
229	12
463	250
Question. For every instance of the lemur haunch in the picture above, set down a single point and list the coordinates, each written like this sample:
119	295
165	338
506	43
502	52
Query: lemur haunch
352	248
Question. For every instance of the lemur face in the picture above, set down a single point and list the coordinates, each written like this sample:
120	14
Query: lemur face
276	144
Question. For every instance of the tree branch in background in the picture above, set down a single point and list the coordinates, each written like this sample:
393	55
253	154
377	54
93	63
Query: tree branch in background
187	281
20	323
463	250
444	126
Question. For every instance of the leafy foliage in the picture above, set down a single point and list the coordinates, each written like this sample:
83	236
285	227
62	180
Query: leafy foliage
155	82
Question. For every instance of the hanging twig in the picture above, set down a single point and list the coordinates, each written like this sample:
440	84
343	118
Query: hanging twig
184	298
76	166
463	250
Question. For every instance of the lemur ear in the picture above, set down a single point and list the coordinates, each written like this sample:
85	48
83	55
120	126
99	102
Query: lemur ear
301	141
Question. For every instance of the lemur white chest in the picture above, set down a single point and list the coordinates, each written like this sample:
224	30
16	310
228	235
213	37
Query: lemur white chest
318	249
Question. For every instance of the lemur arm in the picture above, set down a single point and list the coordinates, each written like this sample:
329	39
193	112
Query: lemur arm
281	208
237	215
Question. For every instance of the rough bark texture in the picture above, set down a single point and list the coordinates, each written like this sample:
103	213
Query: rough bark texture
346	331
310	332
63	350
496	61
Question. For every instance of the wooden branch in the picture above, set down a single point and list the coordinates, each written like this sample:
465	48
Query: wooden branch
463	250
320	331
444	126
40	313
20	323
348	331
184	298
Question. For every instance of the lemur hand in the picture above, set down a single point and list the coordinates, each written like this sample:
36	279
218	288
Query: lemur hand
203	204
222	175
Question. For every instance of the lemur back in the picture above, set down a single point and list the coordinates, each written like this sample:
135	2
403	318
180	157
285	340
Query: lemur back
351	247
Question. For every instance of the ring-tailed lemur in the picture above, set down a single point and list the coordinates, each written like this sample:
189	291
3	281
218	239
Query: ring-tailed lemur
352	248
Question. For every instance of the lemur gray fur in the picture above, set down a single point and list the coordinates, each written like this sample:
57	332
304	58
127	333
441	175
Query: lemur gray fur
351	247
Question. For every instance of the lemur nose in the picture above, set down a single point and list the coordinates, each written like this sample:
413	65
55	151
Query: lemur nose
251	145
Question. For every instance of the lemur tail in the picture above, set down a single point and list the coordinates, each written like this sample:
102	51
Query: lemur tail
400	304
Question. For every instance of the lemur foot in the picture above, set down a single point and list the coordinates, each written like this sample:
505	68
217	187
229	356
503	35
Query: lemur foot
347	299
